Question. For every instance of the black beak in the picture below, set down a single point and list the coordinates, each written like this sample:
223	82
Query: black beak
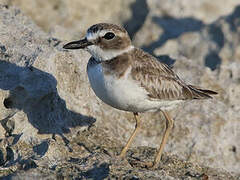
81	44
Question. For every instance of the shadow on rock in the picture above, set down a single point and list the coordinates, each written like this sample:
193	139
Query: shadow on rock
140	11
173	28
216	34
233	19
97	172
34	92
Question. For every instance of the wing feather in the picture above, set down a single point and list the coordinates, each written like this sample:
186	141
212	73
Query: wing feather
158	79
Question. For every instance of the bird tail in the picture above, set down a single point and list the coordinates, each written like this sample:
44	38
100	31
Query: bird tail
198	93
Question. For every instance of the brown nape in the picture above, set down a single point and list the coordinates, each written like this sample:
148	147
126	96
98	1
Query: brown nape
116	66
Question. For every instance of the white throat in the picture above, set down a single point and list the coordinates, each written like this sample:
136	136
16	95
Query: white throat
103	55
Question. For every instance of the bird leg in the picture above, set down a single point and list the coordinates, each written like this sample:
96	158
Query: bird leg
137	128
169	125
154	164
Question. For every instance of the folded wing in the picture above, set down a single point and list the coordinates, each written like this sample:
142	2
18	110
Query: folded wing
161	82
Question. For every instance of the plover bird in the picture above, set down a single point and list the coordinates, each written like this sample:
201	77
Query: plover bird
129	79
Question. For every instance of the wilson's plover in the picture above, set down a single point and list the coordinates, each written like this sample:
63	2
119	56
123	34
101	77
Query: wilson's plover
129	79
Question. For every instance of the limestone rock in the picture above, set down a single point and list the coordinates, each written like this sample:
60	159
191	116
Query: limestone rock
55	124
74	15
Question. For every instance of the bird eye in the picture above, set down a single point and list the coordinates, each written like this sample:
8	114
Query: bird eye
109	36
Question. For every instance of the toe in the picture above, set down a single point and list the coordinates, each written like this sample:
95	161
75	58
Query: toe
148	165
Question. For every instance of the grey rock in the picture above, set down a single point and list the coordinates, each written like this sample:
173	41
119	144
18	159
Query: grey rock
209	44
62	130
73	16
214	45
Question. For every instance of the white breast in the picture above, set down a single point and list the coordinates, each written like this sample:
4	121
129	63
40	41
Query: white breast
124	93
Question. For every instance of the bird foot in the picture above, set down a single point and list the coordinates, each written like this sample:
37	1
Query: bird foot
147	165
120	157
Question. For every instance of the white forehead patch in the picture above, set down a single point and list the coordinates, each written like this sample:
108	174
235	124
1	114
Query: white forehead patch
93	36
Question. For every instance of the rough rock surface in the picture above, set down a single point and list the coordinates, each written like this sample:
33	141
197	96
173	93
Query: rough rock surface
54	126
74	15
